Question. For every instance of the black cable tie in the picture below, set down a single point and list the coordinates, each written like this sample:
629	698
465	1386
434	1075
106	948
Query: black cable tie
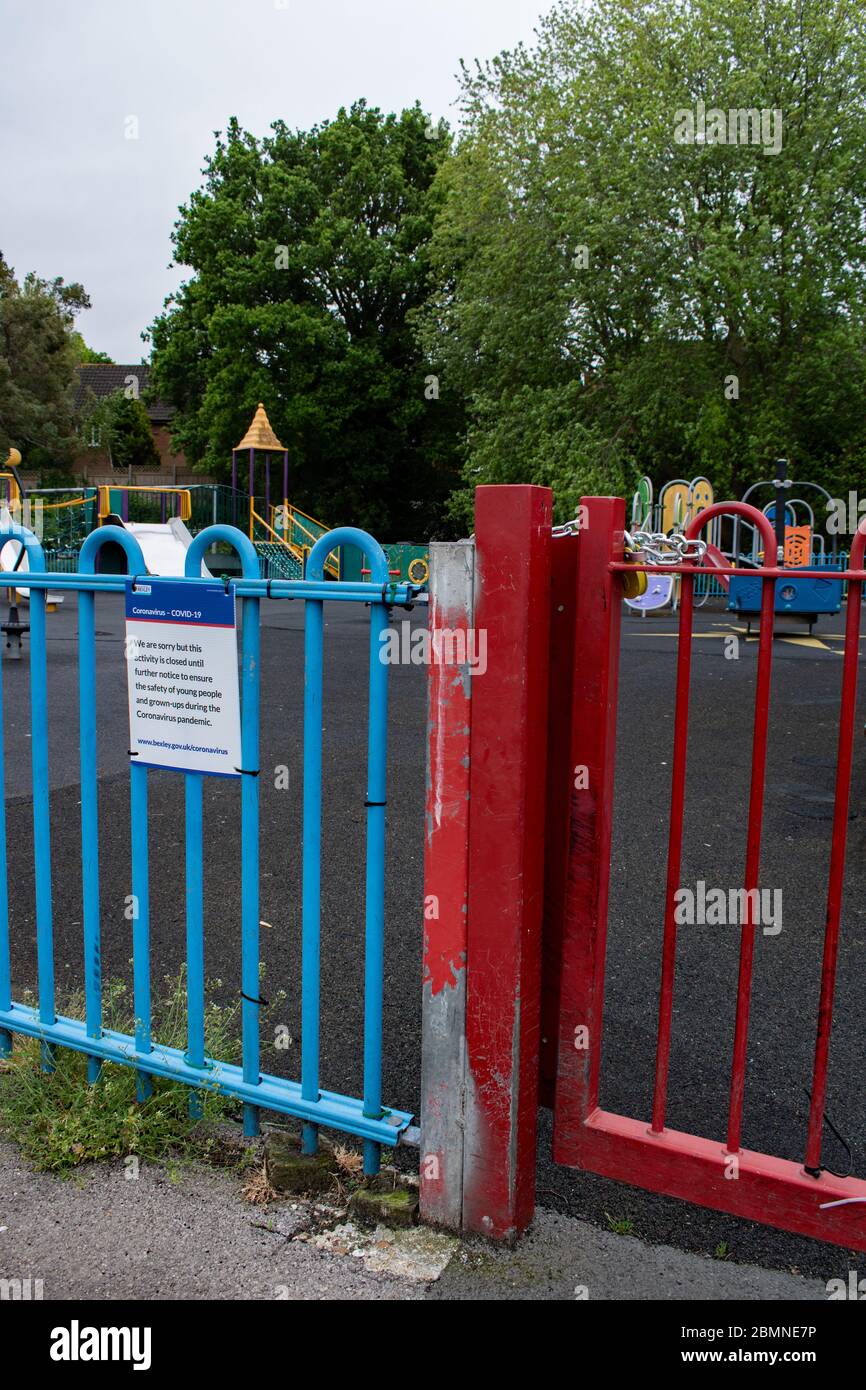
249	1000
248	771
131	753
816	1172
375	803
276	599
135	579
225	583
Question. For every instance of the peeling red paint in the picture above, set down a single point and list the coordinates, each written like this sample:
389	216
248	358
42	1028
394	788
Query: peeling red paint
447	813
446	868
506	846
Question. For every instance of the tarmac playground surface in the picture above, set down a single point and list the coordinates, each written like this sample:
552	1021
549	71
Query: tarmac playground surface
798	808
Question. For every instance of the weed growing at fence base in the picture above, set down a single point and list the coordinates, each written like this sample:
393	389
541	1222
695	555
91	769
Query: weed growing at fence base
60	1121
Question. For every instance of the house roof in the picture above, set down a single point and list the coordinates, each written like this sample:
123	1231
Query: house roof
260	435
104	379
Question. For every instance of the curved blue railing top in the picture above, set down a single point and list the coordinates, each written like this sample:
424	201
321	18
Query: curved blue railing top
348	535
103	536
242	545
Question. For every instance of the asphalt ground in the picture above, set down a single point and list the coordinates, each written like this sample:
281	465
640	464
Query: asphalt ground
188	1235
787	965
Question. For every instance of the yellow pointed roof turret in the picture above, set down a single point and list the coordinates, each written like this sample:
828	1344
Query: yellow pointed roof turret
260	435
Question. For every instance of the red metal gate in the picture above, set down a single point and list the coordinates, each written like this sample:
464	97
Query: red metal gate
802	1197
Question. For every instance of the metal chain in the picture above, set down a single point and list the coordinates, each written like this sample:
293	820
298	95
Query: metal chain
660	549
655	546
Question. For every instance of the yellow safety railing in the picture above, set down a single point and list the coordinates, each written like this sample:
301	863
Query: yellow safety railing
106	489
290	515
55	506
292	510
299	552
254	517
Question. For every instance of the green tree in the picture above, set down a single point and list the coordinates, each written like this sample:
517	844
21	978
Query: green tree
38	362
88	354
310	252
122	426
613	297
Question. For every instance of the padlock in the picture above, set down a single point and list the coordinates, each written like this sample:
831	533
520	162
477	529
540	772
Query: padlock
634	582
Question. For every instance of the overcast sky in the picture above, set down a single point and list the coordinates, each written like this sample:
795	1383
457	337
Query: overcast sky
81	200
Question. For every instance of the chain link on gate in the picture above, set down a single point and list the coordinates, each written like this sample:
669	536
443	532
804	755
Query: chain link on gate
645	547
658	549
654	547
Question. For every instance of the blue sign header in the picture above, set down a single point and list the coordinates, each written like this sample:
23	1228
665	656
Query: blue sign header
153	600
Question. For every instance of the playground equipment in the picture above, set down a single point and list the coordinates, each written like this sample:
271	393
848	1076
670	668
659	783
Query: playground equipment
409	562
406	562
13	627
166	518
163	543
801	594
679	502
659	526
284	535
13	556
643	591
799	545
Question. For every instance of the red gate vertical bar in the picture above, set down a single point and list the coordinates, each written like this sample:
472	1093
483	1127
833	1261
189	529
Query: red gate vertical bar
506	849
675	852
836	880
446	892
753	862
590	814
560	778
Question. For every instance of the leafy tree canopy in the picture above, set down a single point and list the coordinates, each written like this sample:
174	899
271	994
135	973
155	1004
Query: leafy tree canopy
89	355
617	293
310	251
122	426
38	361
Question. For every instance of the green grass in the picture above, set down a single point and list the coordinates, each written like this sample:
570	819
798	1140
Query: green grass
60	1121
620	1225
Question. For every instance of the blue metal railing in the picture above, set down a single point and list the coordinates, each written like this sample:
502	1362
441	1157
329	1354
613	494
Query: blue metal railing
366	1118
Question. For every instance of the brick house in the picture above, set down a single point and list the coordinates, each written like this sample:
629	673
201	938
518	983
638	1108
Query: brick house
94	464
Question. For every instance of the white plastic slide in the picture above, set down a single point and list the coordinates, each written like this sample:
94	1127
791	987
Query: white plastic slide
8	558
164	547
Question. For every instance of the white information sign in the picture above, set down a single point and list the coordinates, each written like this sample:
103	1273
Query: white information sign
182	665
